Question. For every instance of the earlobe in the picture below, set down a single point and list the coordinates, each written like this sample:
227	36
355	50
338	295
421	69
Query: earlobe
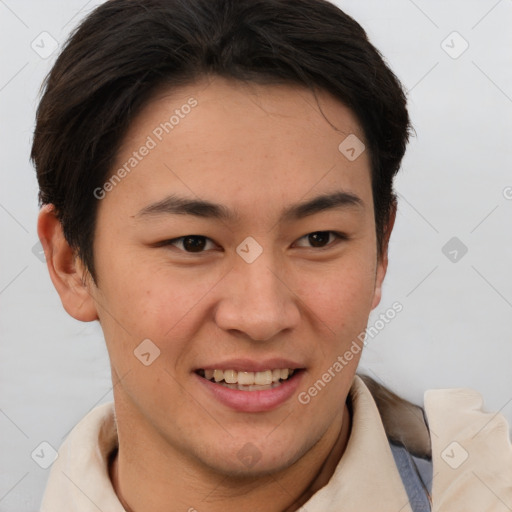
66	270
382	263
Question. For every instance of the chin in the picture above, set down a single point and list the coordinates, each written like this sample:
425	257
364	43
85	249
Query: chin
252	460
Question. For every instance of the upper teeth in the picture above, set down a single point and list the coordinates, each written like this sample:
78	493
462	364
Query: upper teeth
248	378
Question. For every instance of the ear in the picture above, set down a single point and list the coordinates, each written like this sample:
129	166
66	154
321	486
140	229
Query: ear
382	263
66	270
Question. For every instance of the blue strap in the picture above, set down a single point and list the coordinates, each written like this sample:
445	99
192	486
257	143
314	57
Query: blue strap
416	476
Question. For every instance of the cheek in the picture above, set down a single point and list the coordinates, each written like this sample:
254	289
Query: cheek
155	302
341	298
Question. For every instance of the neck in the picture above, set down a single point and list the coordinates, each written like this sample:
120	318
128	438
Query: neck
284	491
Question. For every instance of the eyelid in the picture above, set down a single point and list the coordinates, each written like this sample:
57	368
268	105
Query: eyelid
172	242
339	237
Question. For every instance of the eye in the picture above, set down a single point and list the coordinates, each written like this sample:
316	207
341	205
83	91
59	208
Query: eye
192	243
320	239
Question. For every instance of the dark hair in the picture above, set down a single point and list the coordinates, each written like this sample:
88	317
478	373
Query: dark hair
126	49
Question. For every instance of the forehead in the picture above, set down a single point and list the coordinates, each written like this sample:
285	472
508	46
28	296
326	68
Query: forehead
241	144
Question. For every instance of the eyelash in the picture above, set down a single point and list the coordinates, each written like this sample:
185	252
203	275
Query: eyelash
338	237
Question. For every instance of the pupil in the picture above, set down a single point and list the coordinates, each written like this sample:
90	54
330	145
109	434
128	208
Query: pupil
319	239
194	243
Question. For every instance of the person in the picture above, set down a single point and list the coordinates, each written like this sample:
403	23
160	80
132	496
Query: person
216	182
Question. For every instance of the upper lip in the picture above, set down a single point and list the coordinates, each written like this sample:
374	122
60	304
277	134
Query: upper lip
248	365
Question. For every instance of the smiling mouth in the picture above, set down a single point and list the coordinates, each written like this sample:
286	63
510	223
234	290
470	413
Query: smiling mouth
249	381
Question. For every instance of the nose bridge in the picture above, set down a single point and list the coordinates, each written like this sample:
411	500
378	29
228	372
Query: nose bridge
262	289
256	301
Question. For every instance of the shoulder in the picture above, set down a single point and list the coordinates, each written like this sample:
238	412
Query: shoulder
470	448
79	475
471	451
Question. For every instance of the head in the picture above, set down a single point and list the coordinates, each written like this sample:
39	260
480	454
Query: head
217	180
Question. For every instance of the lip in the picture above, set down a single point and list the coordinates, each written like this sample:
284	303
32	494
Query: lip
248	365
252	401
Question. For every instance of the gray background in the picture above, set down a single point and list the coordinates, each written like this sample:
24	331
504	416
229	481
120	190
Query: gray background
456	181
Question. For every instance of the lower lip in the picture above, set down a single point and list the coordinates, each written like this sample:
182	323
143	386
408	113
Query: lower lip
253	401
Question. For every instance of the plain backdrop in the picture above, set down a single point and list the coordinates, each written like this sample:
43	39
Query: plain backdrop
450	253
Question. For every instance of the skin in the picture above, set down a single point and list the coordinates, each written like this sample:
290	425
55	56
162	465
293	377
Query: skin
257	150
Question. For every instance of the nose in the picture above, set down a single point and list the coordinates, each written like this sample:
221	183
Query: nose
257	302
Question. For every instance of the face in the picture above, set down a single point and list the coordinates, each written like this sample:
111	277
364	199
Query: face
238	247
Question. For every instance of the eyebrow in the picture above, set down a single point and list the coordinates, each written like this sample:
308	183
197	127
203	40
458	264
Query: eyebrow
324	202
176	205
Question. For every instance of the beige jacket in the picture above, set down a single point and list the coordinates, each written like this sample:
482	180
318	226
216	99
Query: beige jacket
471	453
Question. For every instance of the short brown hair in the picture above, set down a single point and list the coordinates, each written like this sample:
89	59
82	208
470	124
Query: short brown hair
126	49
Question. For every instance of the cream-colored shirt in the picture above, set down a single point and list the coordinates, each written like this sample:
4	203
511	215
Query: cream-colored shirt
471	453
